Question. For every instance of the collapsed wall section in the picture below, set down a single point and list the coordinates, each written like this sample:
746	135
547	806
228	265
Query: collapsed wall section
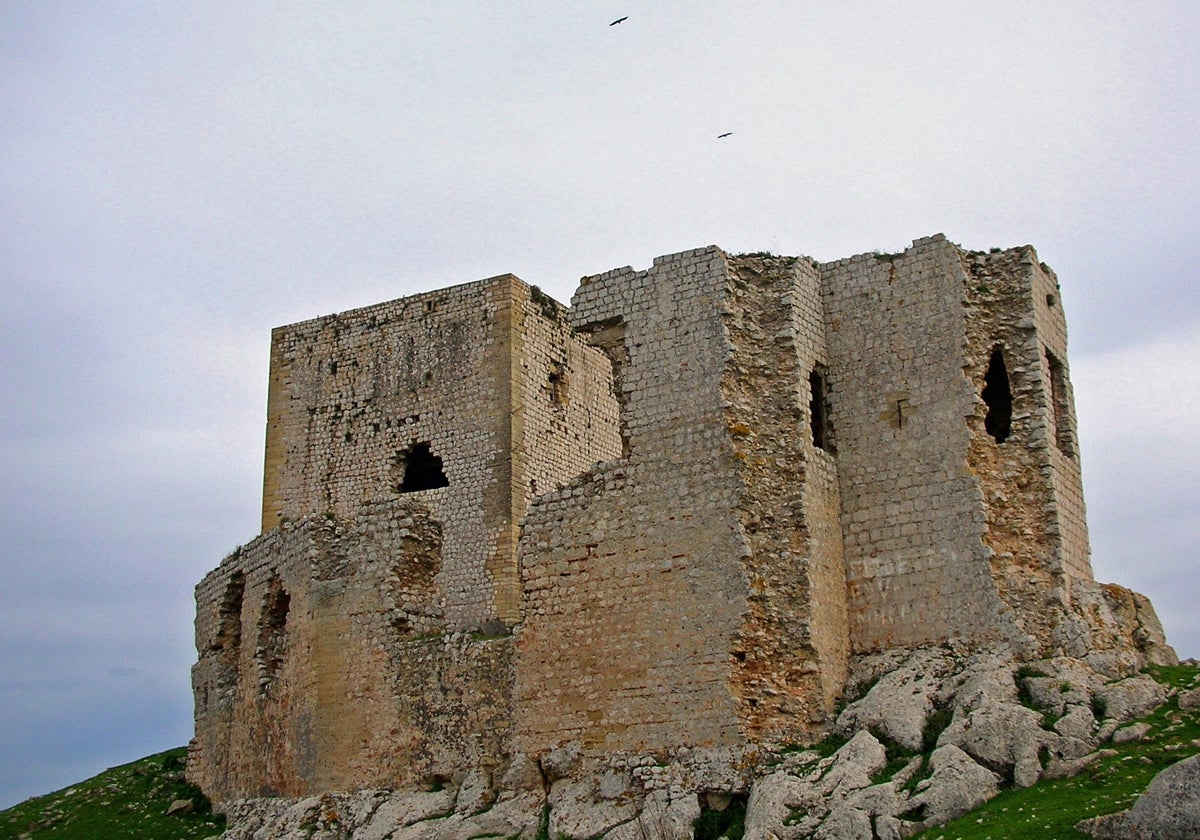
1023	441
311	677
404	441
913	521
791	657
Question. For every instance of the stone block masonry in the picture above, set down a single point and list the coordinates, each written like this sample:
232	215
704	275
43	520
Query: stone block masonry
496	529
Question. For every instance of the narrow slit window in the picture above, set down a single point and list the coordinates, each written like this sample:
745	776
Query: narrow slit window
1060	409
818	417
422	470
556	383
998	395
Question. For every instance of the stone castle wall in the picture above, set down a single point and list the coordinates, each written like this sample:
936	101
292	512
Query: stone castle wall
631	574
324	654
667	517
917	569
465	371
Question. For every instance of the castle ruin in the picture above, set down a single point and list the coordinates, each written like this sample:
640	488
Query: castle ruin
669	516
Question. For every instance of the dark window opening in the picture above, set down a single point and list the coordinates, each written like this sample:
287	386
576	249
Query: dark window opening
1060	408
998	396
818	416
422	470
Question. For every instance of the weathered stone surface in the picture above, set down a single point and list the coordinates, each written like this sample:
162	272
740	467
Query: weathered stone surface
1131	733
987	678
180	807
1065	768
1003	737
559	763
1168	810
771	802
957	785
898	705
1078	724
846	823
663	817
576	811
1130	698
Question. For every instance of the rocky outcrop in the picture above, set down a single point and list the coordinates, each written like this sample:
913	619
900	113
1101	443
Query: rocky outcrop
933	735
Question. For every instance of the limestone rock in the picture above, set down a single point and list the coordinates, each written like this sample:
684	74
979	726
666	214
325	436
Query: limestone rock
830	785
1189	699
662	817
1068	767
475	793
1131	733
517	816
986	678
846	823
559	763
1079	722
1002	737
852	767
401	809
771	801
957	785
1168	810
577	812
1131	698
180	807
898	705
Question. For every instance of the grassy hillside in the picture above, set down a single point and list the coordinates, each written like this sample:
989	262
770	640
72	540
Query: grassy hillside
124	803
1050	809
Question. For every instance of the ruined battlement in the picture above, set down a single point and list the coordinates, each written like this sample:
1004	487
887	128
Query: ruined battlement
669	516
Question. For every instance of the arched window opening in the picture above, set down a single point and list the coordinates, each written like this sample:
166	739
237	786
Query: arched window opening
228	642
229	614
818	415
998	396
422	470
272	632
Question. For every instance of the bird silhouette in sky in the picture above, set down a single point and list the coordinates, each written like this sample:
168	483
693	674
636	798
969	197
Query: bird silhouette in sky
726	134
619	20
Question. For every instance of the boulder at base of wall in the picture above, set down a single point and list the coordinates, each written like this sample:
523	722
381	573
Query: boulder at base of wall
1168	810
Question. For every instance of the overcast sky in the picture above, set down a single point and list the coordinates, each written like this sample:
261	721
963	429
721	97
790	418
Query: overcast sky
178	178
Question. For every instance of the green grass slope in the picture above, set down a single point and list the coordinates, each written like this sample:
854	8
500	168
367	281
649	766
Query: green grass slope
123	803
1050	809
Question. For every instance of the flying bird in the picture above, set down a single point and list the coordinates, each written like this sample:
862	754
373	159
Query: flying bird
619	20
726	134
